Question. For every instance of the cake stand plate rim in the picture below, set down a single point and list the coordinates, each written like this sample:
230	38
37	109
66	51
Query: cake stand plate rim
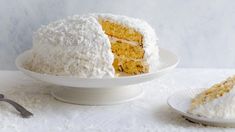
167	56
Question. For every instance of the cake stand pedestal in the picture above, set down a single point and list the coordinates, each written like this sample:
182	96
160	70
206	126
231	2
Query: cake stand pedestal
96	96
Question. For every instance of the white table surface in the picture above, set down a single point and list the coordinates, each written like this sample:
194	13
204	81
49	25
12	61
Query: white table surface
149	113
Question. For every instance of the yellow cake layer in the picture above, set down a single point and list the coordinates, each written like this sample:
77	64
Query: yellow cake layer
127	50
120	31
128	56
129	66
214	92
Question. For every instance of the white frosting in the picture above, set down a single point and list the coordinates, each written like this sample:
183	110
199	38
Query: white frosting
73	46
222	107
77	46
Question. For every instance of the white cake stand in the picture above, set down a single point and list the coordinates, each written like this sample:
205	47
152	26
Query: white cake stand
104	91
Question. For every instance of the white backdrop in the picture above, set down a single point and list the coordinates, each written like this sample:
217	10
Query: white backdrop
201	32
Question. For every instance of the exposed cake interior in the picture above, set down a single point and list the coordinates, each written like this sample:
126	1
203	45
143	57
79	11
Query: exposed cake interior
216	91
127	47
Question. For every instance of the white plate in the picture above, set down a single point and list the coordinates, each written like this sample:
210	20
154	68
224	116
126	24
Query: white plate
99	90
180	103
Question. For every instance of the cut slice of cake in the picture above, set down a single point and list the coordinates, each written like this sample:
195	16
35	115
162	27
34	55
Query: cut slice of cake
94	45
216	102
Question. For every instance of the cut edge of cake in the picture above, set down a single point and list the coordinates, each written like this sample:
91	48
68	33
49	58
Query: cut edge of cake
133	41
214	92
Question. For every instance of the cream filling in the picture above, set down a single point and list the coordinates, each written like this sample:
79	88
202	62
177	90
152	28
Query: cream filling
114	39
122	57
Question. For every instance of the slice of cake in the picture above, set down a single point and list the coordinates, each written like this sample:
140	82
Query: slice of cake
216	102
94	45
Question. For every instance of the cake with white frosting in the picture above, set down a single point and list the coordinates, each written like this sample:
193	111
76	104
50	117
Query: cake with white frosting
94	46
216	102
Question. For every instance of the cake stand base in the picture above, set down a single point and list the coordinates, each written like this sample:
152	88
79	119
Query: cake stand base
96	96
